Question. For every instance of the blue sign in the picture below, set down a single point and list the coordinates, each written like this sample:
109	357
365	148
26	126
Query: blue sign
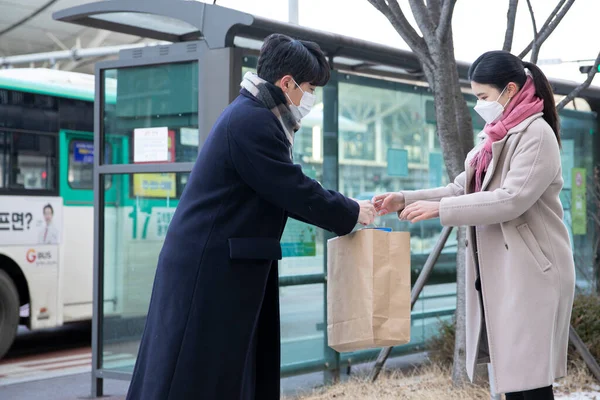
397	162
436	169
83	152
299	240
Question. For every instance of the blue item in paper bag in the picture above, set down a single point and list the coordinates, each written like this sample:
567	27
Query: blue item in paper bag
382	229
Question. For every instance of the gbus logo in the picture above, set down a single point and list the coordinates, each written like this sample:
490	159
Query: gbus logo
31	255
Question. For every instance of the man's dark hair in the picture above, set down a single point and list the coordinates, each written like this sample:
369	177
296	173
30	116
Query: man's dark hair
48	206
281	55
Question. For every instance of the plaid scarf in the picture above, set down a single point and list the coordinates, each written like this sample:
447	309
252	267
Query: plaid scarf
274	99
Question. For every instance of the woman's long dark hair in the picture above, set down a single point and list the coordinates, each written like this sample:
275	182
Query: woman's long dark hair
499	68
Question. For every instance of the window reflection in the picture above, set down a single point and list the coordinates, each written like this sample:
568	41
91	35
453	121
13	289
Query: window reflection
28	161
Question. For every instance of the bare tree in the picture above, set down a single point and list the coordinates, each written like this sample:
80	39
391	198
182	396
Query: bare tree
436	53
535	47
434	47
571	96
435	50
511	17
549	26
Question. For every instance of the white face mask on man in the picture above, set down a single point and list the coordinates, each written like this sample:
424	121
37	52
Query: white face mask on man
490	111
306	103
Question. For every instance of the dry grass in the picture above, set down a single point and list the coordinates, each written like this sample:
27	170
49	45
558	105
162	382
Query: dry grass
431	382
578	380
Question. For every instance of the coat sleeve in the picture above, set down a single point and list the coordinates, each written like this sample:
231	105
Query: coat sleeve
456	188
299	218
260	154
317	224
533	167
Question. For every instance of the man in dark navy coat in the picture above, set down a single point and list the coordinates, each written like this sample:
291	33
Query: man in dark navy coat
212	331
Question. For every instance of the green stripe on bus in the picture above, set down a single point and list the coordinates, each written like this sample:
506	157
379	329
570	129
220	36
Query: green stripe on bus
51	89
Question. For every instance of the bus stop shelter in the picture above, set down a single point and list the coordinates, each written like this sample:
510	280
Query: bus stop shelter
154	108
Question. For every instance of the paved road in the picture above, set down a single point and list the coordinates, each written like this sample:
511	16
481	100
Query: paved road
52	353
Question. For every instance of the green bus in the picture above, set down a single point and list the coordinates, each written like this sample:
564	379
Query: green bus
46	203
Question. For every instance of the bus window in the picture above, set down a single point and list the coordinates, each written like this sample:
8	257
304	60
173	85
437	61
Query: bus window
27	161
81	164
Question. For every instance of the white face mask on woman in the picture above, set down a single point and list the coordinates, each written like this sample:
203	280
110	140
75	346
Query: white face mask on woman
490	111
306	103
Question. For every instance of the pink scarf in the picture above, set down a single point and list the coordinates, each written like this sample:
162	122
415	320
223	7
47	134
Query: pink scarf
522	106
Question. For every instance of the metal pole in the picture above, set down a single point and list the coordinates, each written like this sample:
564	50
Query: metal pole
493	394
73	54
330	181
293	12
582	349
98	284
416	291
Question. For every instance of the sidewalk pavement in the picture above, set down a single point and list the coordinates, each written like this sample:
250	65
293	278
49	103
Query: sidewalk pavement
77	387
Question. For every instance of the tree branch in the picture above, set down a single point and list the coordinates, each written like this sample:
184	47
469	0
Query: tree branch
571	96
551	23
511	17
535	48
379	5
544	27
552	15
435	7
423	18
446	20
399	16
399	22
402	26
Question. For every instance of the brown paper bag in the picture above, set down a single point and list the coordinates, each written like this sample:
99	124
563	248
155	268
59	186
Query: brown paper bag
368	290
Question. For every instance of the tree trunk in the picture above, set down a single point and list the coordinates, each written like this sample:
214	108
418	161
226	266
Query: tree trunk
454	121
511	17
465	132
463	117
446	121
459	364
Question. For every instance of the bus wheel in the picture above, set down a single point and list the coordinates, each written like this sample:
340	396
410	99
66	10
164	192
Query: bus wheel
9	312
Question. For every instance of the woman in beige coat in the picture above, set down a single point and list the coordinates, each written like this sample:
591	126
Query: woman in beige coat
520	273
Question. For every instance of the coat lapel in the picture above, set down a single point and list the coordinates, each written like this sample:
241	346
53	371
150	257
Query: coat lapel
498	146
469	169
496	151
